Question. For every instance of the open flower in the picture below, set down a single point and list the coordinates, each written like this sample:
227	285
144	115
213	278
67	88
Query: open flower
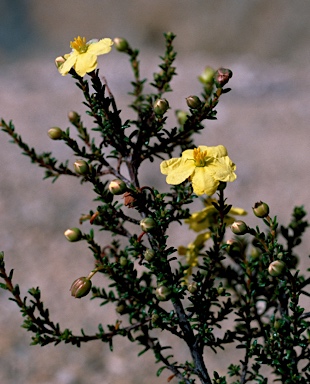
205	166
83	57
191	252
201	220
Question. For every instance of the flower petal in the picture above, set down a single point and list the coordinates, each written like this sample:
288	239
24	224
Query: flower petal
68	64
101	47
223	169
85	63
203	181
218	151
177	170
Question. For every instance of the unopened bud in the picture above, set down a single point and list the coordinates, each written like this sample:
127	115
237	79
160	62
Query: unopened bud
220	290
73	234
239	227
81	167
73	117
181	116
222	76
59	61
192	287
80	287
117	187
163	293
161	106
147	224
54	133
233	248
261	209
149	254
207	76
193	102
120	308
276	268
123	261
121	44
155	317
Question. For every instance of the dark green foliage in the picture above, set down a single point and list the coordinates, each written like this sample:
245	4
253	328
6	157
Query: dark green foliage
271	328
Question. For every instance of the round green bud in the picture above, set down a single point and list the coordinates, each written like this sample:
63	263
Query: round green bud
276	268
120	308
233	247
81	167
117	187
207	76
161	106
73	117
149	254
261	209
193	102
73	234
163	293
147	224
222	76
121	44
181	116
239	227
123	261
54	133
80	287
155	317
192	287
220	290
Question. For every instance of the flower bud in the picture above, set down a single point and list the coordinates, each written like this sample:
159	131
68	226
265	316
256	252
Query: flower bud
155	317
163	293
73	117
54	133
123	261
80	287
261	209
147	224
149	254
220	290
207	76
234	248
117	187
81	167
73	234
276	268
192	287
181	116
59	61
193	102
121	44
239	227
222	76
161	106
120	308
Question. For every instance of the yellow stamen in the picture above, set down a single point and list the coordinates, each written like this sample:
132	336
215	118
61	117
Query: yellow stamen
79	44
200	158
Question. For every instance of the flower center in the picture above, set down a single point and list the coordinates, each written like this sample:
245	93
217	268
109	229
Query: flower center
79	44
200	158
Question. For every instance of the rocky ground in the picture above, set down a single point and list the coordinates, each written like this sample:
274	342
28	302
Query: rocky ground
264	123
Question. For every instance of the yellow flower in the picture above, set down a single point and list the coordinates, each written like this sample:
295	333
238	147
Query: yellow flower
191	252
205	166
199	221
83	57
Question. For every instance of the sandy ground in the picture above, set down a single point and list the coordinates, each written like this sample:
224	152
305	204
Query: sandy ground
264	124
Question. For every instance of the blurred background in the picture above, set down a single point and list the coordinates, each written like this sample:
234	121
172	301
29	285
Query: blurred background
264	123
